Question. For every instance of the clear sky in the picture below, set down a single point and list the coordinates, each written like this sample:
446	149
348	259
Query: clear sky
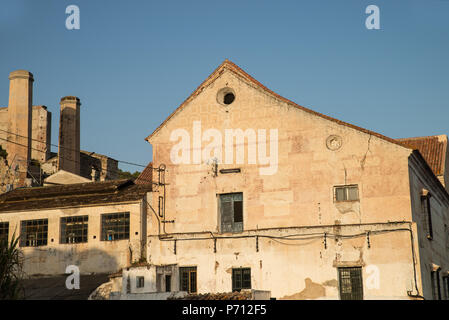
133	62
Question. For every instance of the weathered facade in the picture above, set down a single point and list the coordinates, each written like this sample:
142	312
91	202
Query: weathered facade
99	227
322	210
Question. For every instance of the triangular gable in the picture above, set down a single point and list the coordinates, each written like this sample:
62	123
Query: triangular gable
65	177
241	73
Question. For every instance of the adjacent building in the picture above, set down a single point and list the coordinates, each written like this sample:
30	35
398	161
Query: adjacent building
25	138
99	227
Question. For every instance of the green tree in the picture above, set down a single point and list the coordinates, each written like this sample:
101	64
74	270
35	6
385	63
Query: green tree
11	269
127	174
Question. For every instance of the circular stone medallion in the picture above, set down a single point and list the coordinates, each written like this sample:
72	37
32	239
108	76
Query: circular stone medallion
334	142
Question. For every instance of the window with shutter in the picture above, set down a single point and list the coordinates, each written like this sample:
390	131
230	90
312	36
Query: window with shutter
241	279
231	212
346	193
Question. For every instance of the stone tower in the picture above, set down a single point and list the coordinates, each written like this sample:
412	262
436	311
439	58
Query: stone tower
69	135
19	122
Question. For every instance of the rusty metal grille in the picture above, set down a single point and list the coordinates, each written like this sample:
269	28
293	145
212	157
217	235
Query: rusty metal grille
351	284
4	231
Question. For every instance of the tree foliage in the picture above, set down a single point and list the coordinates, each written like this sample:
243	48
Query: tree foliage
11	269
127	174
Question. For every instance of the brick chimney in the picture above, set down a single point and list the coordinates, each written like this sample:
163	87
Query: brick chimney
69	135
19	122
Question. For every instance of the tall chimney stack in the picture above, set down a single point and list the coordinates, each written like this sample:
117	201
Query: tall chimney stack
19	121
69	135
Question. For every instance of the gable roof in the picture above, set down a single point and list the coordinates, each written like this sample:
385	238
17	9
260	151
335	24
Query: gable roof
228	65
432	148
72	195
146	176
64	177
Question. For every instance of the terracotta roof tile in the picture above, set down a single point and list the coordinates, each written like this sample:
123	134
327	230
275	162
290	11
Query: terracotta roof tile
244	295
146	177
72	195
432	148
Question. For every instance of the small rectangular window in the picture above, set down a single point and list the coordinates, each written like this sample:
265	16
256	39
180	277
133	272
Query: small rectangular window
187	278
231	212
140	282
427	215
167	283
346	193
115	226
350	283
34	233
446	287
241	279
74	229
435	278
4	231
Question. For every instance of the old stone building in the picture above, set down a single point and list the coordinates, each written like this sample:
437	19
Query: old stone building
249	191
261	193
25	134
100	227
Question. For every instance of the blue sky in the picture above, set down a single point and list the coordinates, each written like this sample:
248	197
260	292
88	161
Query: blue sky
133	62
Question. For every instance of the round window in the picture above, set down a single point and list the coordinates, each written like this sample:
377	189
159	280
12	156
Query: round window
225	96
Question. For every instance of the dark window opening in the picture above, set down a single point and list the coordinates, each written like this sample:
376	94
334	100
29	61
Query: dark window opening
74	229
346	193
115	226
435	277
34	233
446	286
228	98
231	212
187	277
350	283
241	279
427	215
140	282
4	231
167	283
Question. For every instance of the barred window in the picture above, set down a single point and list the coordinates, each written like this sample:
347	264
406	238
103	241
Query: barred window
187	278
231	212
350	283
115	226
4	231
34	233
241	279
74	229
427	215
346	193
